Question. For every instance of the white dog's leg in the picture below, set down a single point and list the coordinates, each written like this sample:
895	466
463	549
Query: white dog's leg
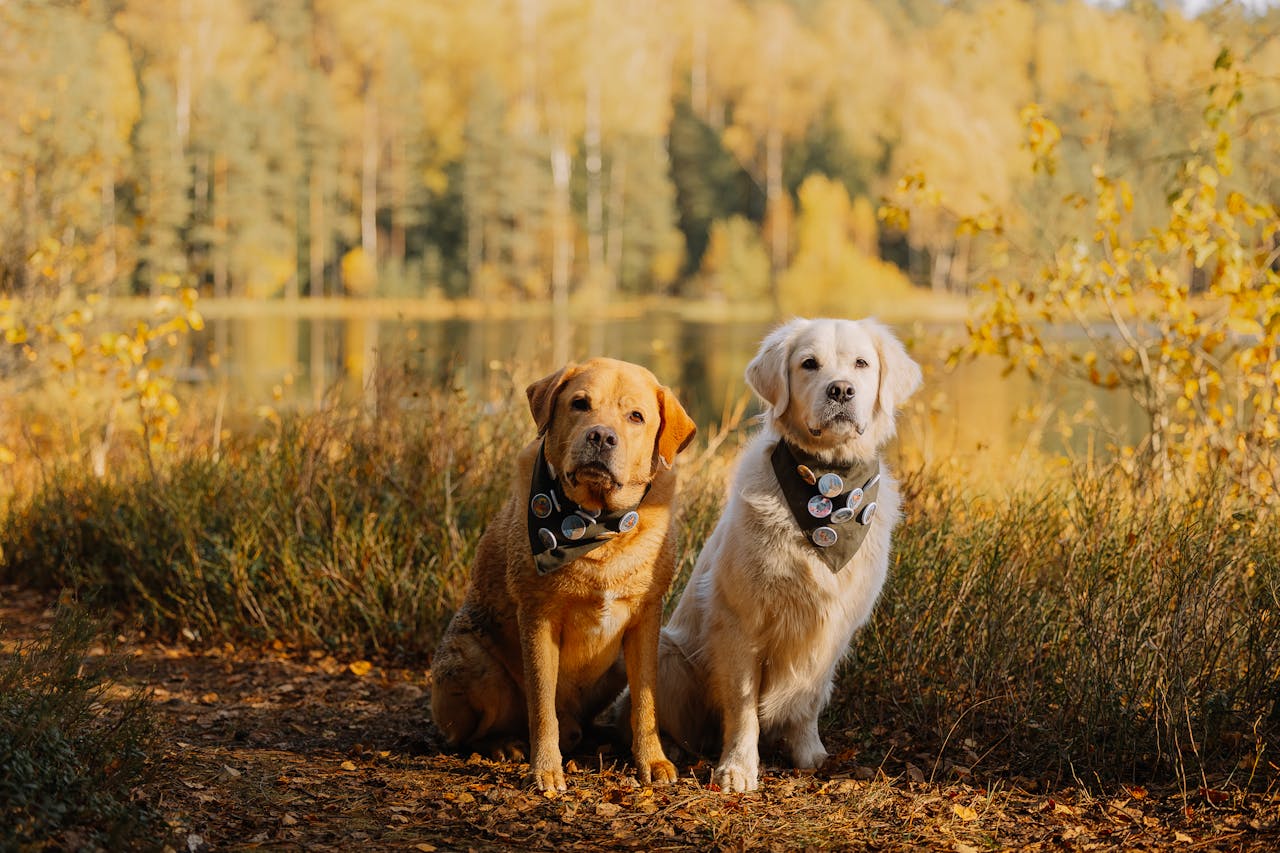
737	688
807	751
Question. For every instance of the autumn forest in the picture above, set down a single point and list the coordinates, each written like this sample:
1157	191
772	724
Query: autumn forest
533	149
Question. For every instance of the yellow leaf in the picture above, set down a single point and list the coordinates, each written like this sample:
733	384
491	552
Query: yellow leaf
6	456
360	667
347	765
964	812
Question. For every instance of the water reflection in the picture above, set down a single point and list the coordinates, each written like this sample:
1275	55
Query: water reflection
968	412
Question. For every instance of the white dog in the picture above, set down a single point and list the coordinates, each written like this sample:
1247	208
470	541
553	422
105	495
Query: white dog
797	560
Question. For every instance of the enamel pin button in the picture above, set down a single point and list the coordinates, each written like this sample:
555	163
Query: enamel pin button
628	521
547	538
867	513
573	527
824	537
540	505
819	507
830	485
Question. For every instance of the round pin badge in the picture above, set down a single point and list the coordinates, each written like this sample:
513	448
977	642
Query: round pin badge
573	527
541	505
547	538
628	521
806	475
819	507
854	500
842	515
824	537
830	485
867	513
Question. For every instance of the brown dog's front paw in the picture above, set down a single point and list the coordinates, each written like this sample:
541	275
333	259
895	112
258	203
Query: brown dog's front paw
549	779
660	772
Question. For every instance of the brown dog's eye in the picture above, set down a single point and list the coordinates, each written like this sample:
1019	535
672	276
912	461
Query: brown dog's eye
810	363
636	417
862	362
582	404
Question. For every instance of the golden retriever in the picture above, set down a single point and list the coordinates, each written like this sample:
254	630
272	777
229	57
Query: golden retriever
572	570
798	557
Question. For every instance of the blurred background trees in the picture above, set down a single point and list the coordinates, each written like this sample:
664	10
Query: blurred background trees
584	149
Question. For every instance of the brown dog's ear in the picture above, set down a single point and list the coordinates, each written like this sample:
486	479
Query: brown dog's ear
768	374
676	430
900	376
542	396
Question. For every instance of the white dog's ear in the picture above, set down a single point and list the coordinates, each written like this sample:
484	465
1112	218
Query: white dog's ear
769	373
542	396
900	376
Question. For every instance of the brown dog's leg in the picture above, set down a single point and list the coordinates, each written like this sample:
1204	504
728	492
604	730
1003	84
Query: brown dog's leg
542	667
640	647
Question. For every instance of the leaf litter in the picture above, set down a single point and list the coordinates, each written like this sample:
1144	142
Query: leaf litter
276	749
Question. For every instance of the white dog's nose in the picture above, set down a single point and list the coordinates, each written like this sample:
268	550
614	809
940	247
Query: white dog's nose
840	391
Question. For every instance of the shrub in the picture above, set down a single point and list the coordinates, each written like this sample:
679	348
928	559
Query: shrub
72	764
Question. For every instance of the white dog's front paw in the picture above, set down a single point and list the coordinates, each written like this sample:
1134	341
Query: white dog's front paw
807	756
733	776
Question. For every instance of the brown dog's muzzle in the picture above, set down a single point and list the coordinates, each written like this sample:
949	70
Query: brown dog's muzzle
595	457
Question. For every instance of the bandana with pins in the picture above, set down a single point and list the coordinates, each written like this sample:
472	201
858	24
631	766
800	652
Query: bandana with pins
833	505
560	531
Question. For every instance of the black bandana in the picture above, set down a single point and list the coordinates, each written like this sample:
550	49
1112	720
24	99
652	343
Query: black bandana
560	531
833	506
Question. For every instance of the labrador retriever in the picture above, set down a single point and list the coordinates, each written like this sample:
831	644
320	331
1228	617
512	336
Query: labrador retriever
799	555
572	570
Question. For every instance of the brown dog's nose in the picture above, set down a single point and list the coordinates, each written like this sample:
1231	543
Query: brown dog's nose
602	438
840	391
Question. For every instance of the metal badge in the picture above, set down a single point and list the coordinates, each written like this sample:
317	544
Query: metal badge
842	515
854	500
541	505
628	521
806	475
871	482
824	537
830	485
819	507
867	513
574	527
547	538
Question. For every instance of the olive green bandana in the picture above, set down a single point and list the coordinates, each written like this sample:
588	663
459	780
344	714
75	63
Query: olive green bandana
834	505
560	531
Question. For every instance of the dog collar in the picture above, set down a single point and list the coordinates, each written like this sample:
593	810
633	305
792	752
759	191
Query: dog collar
560	531
833	505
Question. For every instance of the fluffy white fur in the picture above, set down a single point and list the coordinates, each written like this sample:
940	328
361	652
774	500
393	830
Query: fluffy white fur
752	647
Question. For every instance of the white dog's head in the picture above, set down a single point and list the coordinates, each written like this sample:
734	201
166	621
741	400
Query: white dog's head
832	386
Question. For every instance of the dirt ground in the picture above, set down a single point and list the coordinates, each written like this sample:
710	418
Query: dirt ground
267	749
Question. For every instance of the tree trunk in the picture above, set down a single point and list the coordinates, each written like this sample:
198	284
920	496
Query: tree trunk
561	225
369	180
777	237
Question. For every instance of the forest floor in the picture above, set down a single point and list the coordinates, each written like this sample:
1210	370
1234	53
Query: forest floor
270	749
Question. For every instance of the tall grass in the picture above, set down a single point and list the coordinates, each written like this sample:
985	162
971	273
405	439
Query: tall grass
1077	628
332	529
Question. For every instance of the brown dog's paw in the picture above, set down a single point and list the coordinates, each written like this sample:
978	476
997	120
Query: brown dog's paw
660	772
503	749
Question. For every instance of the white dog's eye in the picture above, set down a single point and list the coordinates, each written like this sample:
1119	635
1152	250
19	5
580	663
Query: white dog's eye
636	417
810	363
862	362
582	404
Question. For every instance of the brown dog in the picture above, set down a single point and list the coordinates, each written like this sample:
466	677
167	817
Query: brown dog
572	570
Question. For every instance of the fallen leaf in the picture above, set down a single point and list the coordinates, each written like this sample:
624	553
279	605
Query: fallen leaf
607	809
1182	837
360	667
347	765
288	819
964	812
425	848
1063	808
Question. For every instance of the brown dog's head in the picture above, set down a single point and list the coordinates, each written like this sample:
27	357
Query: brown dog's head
610	427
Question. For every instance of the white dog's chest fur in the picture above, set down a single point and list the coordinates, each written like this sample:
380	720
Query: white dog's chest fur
799	615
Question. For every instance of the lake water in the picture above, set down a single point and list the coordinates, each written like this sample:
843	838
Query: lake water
973	413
